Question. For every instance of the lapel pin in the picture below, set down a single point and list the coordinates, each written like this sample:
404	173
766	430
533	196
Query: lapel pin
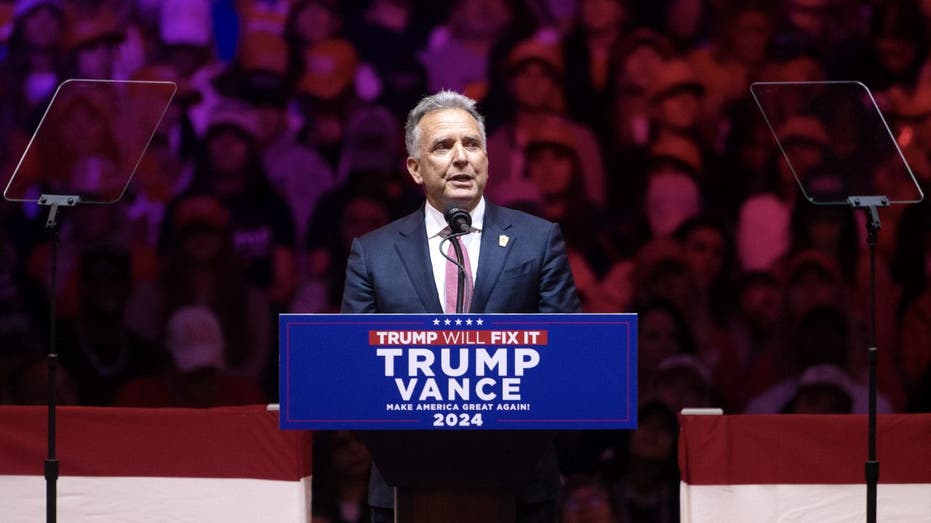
503	240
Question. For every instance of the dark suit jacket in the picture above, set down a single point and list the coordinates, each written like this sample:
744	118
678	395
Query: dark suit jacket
389	271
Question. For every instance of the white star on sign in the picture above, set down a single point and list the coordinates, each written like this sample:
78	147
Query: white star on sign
436	321
479	321
458	322
446	321
469	321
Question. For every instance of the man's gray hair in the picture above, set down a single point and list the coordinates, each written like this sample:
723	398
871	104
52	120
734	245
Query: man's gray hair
441	100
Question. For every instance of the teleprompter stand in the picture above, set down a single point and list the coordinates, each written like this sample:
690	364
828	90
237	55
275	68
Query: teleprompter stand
85	151
841	124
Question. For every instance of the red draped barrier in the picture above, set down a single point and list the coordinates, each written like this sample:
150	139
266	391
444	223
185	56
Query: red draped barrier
802	468
224	464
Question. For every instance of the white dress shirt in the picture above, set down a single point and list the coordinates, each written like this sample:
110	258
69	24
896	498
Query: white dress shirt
435	223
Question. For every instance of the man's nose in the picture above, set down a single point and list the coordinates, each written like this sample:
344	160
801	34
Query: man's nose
459	154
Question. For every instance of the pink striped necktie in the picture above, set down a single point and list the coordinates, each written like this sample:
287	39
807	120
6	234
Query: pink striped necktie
452	277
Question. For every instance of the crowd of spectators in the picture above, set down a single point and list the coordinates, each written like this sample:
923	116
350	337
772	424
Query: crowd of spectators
628	122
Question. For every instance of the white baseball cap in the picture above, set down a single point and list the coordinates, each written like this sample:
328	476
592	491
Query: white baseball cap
195	339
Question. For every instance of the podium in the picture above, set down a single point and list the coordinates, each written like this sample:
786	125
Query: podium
477	476
458	411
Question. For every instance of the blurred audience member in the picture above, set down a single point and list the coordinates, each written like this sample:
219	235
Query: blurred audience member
763	229
326	97
682	381
636	62
90	226
389	34
618	287
671	194
166	169
811	279
919	399
201	268
23	316
196	377
297	172
34	61
587	53
898	48
662	272
97	348
456	56
821	337
830	230
762	234
186	41
662	333
645	488
310	22
709	251
740	41
342	465
822	389
806	25
676	98
759	340
373	142
554	168
535	84
92	44
29	384
686	21
263	231
913	269
355	215
587	500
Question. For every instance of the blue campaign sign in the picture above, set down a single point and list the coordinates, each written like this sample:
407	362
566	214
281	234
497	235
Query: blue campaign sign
464	372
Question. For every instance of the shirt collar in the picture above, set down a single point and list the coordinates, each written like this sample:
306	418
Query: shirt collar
435	221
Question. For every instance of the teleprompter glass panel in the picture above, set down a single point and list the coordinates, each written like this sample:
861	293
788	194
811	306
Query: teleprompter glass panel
835	141
90	140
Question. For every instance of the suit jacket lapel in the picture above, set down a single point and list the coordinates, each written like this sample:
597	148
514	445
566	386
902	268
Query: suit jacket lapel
412	248
491	258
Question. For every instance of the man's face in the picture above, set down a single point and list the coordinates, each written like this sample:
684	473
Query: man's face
451	162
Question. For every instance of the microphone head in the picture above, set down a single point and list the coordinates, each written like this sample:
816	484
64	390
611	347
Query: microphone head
459	220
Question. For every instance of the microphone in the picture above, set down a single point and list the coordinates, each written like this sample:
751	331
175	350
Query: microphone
460	223
459	220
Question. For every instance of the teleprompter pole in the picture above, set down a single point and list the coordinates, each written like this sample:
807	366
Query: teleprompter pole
51	461
870	205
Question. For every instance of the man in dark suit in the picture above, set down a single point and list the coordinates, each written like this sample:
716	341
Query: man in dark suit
521	260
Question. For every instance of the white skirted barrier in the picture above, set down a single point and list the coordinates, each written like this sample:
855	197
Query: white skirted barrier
146	465
801	468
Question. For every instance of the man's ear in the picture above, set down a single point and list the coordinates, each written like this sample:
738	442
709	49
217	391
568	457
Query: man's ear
413	167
